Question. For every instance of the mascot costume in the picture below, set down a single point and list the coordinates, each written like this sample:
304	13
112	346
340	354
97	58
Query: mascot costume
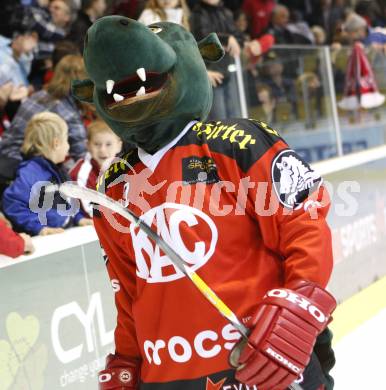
231	198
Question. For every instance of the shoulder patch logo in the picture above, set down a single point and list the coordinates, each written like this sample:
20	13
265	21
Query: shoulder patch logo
293	179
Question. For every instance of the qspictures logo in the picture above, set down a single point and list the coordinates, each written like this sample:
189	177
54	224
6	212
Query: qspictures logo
23	359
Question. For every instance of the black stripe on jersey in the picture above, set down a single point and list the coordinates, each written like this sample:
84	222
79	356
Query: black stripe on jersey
245	140
213	381
122	164
313	378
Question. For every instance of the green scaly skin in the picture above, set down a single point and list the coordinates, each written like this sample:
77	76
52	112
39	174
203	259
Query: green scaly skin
115	47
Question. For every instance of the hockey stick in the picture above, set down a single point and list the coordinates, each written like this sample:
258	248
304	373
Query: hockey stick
74	191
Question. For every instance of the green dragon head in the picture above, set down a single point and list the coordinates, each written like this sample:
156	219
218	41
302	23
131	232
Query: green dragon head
146	82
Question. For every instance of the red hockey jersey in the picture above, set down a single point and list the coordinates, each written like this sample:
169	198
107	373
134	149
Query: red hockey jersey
11	243
238	205
85	172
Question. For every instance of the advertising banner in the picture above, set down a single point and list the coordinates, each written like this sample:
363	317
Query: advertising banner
57	321
358	222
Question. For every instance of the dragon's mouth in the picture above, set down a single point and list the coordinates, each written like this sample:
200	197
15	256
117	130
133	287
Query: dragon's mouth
137	87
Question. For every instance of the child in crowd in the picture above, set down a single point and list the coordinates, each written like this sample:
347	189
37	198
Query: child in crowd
267	104
25	203
103	145
319	35
11	243
175	11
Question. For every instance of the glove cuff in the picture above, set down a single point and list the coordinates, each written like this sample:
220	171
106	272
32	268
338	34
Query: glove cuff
120	373
314	292
306	300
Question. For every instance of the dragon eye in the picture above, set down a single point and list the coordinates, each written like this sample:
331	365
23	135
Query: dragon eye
155	29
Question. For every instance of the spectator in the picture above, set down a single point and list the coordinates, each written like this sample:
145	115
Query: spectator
312	94
328	15
12	17
253	48
241	23
15	65
267	104
11	243
319	35
50	23
45	147
211	16
281	29
298	26
304	7
90	11
56	97
175	11
378	13
16	56
103	145
357	29
62	49
369	10
5	93
233	5
282	88
259	14
252	55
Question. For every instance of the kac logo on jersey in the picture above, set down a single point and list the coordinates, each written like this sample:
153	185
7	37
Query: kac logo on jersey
191	233
293	179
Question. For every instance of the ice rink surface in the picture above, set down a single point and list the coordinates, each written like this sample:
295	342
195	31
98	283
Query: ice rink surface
361	356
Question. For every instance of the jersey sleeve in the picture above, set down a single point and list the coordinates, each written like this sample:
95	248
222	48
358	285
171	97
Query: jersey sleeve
121	270
16	201
11	243
290	204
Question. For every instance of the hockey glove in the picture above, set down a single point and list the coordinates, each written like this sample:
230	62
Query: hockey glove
121	373
283	333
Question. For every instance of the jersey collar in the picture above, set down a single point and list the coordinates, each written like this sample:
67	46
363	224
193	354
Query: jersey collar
152	160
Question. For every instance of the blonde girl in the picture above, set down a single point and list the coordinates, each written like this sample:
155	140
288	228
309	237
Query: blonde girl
25	203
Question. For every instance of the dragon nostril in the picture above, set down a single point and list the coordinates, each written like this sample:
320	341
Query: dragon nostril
124	22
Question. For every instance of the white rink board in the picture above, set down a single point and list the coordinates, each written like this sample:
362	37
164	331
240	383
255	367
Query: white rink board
360	356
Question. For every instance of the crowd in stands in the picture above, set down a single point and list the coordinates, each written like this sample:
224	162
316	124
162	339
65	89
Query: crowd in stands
45	134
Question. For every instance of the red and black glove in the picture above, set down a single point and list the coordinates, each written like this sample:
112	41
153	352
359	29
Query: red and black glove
121	373
284	329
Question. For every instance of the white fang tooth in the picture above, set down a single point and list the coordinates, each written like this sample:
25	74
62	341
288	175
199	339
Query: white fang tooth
109	86
141	92
117	97
141	73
